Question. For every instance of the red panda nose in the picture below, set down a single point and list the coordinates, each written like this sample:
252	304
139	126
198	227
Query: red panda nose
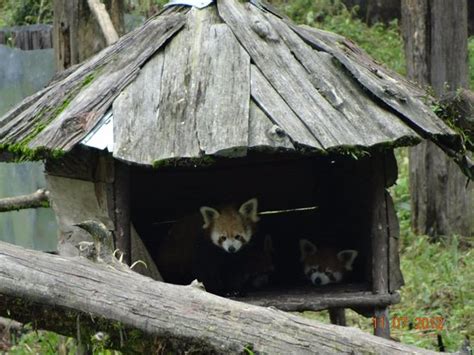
231	249
317	281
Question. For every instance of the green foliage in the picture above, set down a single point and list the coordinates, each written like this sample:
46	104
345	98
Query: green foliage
382	42
25	12
438	277
145	7
39	342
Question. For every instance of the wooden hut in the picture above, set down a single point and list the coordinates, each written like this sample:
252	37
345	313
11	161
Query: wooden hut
231	101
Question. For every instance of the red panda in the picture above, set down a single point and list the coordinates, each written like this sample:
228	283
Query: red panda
211	247
228	228
325	265
258	265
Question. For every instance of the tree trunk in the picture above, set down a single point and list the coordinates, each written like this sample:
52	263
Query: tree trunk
139	314
77	34
435	34
372	11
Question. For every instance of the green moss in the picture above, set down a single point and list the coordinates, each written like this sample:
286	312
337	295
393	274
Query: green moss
45	204
88	79
451	114
22	153
204	161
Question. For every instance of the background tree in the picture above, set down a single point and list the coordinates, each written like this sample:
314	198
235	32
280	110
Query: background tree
77	34
435	34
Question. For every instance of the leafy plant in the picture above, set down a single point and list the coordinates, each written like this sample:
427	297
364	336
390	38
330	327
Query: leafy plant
25	12
383	42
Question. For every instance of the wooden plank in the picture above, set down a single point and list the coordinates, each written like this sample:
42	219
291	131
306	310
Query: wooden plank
79	164
136	115
140	252
279	112
176	127
95	99
71	106
395	280
391	168
221	91
123	240
395	91
379	228
362	118
314	300
337	316
75	201
381	322
30	37
284	73
203	90
263	134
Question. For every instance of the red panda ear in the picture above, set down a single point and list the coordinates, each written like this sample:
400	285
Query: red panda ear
347	257
307	248
249	209
209	214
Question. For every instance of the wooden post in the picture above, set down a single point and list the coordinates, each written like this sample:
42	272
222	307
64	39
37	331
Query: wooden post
122	210
381	323
379	240
77	34
337	316
435	37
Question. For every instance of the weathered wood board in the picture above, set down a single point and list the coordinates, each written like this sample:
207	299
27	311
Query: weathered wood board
196	98
60	116
277	109
395	91
369	123
264	135
286	75
75	201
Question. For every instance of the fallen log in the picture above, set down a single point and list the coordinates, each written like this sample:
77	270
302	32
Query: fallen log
140	314
37	199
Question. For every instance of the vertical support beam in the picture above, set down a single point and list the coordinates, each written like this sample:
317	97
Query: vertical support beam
337	316
122	210
381	323
380	242
379	227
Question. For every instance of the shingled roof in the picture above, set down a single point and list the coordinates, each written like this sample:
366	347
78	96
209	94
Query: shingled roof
224	80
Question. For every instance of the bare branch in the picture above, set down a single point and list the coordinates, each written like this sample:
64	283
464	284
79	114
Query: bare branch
37	199
105	23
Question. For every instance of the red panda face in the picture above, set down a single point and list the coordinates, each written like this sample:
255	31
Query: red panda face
325	265
231	229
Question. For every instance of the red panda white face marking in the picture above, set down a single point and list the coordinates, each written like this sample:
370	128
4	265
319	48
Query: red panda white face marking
228	228
325	265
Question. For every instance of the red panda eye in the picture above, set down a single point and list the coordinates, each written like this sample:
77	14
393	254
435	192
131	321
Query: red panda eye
240	238
222	239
